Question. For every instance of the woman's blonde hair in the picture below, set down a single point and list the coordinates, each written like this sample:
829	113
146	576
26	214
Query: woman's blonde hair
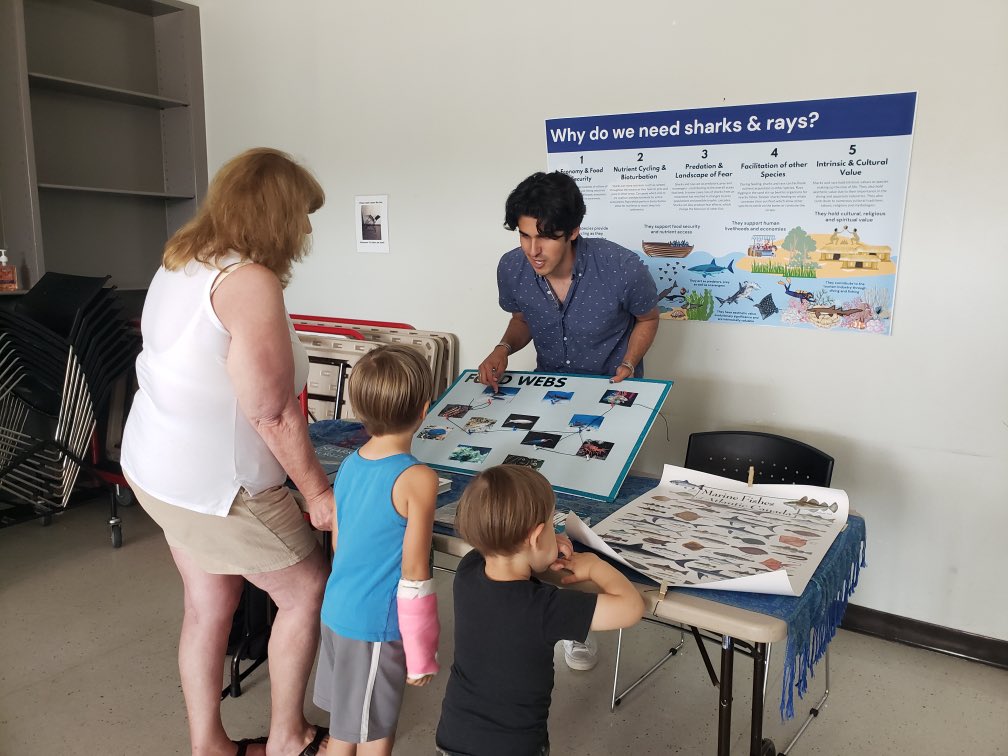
256	206
501	506
389	387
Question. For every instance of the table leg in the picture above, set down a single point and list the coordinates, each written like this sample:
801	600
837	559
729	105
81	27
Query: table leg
758	689
725	699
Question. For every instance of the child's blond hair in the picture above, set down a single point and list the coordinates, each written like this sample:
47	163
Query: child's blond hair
389	387
501	506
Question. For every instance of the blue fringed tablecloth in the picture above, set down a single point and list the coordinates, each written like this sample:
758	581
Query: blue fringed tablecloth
812	618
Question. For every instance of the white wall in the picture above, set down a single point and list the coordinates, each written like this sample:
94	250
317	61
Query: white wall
441	106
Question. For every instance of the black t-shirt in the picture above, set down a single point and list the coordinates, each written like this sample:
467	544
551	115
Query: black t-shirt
498	695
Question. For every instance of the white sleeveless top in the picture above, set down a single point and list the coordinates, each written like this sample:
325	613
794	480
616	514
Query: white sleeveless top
186	441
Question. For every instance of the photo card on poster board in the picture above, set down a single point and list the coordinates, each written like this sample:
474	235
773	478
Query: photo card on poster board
524	422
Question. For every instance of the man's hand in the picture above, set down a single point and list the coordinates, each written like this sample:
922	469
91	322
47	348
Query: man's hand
420	681
320	509
622	373
493	367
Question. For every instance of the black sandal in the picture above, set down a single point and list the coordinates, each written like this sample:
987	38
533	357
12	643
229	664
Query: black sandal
312	748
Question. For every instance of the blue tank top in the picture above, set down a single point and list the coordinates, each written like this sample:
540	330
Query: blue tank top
360	595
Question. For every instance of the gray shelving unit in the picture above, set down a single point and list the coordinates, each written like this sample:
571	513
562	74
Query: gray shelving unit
102	134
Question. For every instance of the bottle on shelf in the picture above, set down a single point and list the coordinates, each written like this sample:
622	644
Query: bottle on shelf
8	273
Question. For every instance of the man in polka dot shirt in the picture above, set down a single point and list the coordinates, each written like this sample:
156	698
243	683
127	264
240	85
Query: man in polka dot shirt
588	304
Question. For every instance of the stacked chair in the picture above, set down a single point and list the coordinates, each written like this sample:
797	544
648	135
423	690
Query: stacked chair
64	349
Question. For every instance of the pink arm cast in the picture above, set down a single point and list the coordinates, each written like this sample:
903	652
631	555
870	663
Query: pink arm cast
419	626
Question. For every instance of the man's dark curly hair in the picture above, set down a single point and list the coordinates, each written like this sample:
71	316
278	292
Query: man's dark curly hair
553	199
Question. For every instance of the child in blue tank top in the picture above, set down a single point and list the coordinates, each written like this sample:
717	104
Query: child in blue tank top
379	614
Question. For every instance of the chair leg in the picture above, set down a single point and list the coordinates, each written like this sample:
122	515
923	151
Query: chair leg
766	667
115	524
618	698
615	679
814	711
760	656
725	695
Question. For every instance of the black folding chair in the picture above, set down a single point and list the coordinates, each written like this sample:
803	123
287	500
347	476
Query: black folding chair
62	349
251	628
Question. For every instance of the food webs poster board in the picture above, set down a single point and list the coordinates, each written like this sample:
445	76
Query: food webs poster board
706	531
784	214
581	432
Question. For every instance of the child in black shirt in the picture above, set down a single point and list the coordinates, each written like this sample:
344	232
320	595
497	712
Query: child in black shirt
507	622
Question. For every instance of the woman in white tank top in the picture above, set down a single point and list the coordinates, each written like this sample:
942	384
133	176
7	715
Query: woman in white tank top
215	430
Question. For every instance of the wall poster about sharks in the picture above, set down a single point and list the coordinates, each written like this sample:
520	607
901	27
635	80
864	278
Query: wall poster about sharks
705	531
785	214
581	432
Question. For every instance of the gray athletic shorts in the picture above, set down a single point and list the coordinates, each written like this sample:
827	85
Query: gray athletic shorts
361	685
544	750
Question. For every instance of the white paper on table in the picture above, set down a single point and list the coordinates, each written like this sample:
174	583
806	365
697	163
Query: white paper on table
709	532
776	582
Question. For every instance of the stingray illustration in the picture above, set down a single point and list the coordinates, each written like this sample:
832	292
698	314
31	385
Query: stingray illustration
766	306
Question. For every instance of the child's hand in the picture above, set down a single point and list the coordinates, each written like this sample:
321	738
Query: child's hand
419	681
580	564
565	548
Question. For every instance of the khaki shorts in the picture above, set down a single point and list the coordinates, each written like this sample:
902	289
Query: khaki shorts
261	533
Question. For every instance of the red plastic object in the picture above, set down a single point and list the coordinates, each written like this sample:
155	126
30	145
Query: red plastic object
329	330
355	321
104	474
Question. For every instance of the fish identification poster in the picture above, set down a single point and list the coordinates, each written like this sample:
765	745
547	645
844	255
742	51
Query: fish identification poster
705	531
785	214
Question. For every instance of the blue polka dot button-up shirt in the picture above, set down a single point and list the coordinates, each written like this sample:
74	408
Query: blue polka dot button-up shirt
589	331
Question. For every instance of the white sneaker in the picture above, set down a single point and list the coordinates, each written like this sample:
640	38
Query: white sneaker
581	656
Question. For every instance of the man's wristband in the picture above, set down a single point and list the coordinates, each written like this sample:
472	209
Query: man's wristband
628	365
506	346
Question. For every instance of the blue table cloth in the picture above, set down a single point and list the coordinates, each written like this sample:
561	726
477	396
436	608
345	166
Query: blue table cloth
812	618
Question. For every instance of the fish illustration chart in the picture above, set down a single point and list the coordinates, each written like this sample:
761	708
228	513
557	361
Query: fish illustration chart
706	531
581	432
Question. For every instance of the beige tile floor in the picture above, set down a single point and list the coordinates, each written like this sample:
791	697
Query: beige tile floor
89	636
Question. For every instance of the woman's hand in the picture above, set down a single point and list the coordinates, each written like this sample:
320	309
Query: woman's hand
320	509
